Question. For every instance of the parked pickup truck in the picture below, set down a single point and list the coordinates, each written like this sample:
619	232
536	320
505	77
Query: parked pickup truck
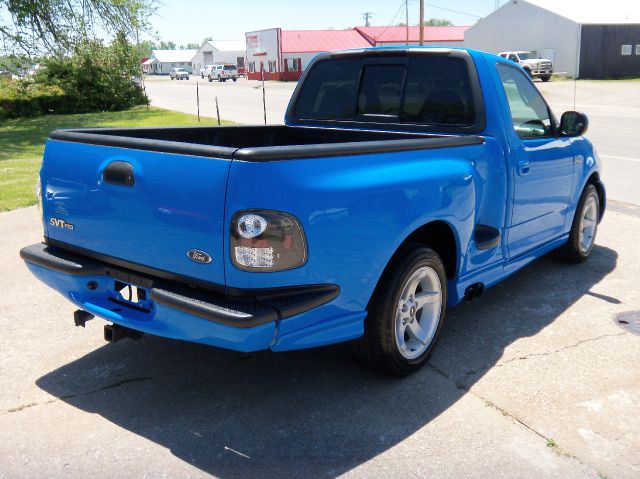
403	182
535	66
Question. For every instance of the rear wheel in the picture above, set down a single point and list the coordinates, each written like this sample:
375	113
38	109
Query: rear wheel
210	79
405	315
584	227
219	78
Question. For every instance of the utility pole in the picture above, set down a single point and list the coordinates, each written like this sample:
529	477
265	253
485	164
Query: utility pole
367	16
421	22
406	13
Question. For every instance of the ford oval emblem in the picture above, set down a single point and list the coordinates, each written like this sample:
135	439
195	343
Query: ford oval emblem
199	256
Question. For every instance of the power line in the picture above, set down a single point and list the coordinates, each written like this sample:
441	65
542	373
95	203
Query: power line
454	11
392	20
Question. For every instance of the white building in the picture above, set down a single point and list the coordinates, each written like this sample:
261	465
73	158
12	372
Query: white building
585	39
162	61
284	54
219	51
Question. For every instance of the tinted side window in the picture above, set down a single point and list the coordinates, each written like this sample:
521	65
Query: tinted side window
529	112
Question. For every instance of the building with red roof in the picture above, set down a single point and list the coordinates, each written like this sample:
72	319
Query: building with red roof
449	36
284	54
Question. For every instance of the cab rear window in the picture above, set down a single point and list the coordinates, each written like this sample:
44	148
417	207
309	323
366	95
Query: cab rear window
424	89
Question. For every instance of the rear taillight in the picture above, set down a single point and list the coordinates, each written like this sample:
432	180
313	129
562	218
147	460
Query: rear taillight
264	240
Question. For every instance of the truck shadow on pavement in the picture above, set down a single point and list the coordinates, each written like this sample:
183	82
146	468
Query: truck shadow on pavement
315	412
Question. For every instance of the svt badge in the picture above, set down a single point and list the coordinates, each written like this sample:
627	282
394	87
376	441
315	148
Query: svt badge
199	256
59	223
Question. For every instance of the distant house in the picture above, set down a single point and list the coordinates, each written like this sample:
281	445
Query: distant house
162	61
449	36
219	51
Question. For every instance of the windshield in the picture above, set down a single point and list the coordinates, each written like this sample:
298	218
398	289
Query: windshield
528	55
426	89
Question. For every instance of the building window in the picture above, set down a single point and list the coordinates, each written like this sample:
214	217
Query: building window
626	50
252	67
293	65
637	49
272	65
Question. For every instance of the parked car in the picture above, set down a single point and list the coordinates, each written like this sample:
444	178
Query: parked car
535	66
179	74
403	182
223	72
205	70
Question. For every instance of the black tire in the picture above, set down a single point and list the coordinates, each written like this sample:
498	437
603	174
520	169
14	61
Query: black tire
528	71
545	77
202	76
378	348
572	251
171	78
210	79
235	79
219	78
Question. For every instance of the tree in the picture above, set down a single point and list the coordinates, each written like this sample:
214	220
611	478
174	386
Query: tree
165	45
43	26
438	22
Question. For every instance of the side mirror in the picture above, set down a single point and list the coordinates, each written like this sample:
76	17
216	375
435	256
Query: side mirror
573	123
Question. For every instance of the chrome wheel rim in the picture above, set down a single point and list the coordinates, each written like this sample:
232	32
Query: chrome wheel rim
588	224
418	312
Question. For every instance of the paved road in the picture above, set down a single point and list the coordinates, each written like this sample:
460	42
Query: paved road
536	361
613	108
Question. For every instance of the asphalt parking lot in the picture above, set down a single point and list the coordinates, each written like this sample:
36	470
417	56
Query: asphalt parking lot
534	379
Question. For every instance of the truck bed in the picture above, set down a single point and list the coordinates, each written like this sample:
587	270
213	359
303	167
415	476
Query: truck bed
261	143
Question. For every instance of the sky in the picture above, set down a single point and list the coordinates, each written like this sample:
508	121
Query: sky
188	21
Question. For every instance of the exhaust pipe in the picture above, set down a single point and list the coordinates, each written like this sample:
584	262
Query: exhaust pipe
115	332
473	291
81	317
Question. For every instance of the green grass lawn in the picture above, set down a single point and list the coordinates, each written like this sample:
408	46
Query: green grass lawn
22	142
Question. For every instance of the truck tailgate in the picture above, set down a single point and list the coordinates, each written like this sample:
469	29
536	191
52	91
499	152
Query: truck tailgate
172	205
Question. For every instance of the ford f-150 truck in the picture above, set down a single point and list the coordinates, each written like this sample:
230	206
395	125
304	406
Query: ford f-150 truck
403	181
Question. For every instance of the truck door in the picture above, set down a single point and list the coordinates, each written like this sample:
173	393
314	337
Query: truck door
541	165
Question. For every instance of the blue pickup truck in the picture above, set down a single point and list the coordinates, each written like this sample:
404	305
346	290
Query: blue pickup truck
404	181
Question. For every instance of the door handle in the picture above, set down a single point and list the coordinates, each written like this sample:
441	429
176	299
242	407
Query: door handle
119	173
524	167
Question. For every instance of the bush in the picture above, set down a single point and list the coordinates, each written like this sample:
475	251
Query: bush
97	77
93	78
25	98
